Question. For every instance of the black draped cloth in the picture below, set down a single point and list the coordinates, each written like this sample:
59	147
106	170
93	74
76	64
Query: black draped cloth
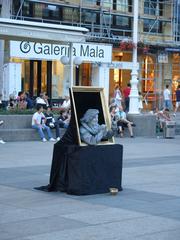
83	170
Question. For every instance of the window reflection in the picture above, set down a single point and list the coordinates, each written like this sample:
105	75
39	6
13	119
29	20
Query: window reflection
148	74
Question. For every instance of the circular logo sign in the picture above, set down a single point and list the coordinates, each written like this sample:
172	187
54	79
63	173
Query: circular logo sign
25	47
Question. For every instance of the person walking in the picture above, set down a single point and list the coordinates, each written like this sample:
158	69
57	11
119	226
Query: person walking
167	97
126	93
38	123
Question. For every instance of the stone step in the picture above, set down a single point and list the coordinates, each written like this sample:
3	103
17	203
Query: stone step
24	134
16	121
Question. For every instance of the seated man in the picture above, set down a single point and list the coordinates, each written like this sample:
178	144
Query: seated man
38	123
90	131
123	122
64	119
50	122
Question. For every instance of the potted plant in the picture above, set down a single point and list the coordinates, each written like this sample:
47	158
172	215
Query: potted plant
126	45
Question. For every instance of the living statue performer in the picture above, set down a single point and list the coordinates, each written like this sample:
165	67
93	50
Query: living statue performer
90	169
91	132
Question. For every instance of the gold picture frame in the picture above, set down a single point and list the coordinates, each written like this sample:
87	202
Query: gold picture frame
84	98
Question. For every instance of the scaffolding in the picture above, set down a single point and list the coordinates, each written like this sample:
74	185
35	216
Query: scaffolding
111	21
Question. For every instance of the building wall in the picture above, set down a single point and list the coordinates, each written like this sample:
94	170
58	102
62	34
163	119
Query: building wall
114	34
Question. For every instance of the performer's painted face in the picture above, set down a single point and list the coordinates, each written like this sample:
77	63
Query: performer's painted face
95	120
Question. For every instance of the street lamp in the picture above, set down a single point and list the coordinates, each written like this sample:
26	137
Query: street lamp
71	61
134	96
64	60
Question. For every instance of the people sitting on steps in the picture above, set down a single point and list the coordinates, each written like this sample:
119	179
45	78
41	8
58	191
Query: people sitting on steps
162	117
51	122
38	123
42	100
123	122
64	118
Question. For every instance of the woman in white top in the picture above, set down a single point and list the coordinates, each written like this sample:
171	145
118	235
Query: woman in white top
117	96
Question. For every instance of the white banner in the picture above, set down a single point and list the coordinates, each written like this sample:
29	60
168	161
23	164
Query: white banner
88	52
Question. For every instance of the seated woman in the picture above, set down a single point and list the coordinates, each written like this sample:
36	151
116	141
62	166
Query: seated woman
123	122
91	132
162	117
114	118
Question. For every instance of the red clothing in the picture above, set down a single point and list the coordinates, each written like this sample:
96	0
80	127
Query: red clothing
126	92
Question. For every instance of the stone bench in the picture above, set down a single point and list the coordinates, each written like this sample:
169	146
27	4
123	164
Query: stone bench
18	128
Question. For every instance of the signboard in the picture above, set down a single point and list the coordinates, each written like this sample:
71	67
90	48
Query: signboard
88	52
122	65
163	57
172	49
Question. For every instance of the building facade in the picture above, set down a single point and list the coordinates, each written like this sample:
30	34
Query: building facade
109	22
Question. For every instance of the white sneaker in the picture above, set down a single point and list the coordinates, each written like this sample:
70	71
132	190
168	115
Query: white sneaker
52	140
1	122
58	138
44	140
2	142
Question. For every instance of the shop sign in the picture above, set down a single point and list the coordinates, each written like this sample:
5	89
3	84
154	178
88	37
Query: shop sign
163	57
122	65
35	50
172	49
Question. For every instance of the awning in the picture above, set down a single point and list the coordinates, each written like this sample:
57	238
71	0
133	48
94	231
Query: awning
11	29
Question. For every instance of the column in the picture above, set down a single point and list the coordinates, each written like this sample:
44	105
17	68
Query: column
134	96
100	77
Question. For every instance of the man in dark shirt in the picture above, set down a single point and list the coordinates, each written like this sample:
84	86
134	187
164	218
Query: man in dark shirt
177	99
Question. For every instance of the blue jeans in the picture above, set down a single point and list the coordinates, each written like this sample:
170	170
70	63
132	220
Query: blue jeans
167	104
40	130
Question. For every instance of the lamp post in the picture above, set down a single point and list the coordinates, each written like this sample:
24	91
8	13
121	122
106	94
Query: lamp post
71	62
134	96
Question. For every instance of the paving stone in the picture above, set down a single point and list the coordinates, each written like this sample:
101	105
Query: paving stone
148	207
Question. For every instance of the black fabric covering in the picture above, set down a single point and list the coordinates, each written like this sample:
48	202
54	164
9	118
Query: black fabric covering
84	170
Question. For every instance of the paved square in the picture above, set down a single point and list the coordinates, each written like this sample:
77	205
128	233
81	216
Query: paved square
147	209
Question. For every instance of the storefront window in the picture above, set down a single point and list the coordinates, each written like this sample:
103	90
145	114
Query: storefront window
85	74
175	72
148	74
58	82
